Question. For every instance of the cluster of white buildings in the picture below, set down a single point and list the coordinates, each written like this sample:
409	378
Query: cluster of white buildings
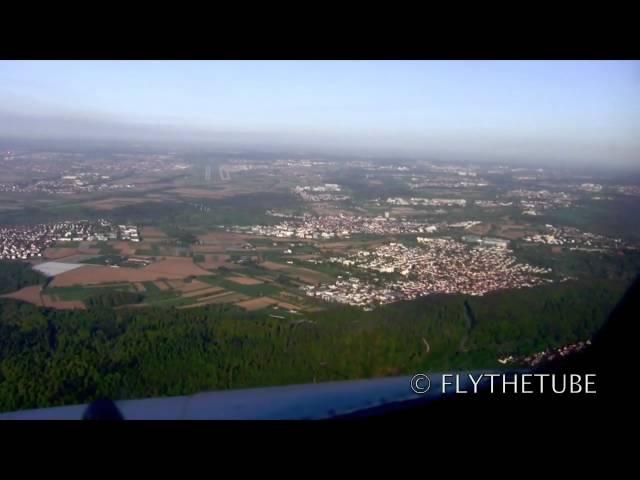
574	238
325	193
25	242
466	224
67	184
491	203
328	227
274	213
129	233
546	355
486	241
353	292
533	201
439	265
70	173
590	187
447	183
427	202
336	226
632	190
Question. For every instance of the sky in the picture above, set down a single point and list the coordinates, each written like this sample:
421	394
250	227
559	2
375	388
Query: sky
574	111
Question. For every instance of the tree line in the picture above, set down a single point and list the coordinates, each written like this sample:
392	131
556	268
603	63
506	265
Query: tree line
15	275
50	357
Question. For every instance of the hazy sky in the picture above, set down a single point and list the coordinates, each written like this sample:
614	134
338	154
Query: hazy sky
582	110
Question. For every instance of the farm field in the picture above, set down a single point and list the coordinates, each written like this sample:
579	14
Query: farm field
202	291
153	232
31	294
264	302
54	253
117	202
162	285
171	282
305	274
226	297
245	280
125	248
186	287
214	261
257	303
34	295
169	268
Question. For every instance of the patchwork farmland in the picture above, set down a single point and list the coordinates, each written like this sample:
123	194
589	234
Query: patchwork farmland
220	268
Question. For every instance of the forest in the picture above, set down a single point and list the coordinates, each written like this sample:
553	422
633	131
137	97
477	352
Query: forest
50	358
15	274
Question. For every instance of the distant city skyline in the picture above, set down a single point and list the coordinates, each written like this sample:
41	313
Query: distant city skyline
574	111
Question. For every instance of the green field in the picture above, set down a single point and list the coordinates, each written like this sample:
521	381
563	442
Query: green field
261	290
82	293
106	248
110	259
156	297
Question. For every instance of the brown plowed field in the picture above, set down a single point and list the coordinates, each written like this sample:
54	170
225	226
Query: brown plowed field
116	202
29	294
172	268
244	280
234	297
304	274
288	306
194	285
202	292
33	294
257	303
179	267
273	266
54	253
153	232
125	248
214	261
226	294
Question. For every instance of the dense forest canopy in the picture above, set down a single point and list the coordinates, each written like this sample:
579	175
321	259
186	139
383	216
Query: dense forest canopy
50	357
15	275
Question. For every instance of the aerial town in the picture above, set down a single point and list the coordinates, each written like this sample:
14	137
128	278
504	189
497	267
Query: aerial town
56	173
545	355
325	193
430	202
67	185
576	240
25	242
336	226
438	265
533	202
